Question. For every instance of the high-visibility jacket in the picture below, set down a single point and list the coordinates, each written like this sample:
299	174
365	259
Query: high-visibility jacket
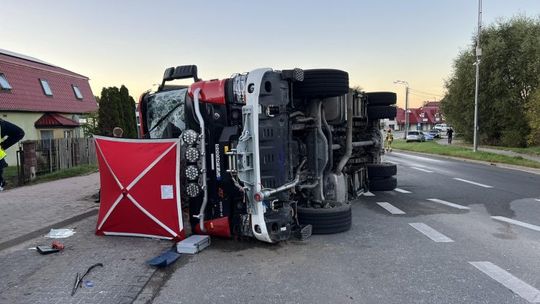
2	152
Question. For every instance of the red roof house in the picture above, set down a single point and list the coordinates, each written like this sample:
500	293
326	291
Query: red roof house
423	118
45	100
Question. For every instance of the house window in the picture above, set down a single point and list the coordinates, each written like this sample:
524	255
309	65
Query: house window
46	134
68	134
77	92
4	84
45	86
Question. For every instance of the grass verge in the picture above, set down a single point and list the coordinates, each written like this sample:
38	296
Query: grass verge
70	172
10	174
463	152
530	150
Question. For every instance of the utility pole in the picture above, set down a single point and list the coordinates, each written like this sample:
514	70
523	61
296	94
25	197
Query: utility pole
406	110
478	55
406	84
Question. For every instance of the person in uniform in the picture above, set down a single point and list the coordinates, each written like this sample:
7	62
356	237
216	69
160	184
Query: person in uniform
10	134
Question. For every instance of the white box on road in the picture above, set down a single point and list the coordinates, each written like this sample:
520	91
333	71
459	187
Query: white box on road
193	244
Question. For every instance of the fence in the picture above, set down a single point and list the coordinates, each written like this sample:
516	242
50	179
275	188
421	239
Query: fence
49	155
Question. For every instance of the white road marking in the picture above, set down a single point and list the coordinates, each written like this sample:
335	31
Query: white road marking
422	169
537	199
431	233
390	208
518	223
509	281
402	190
439	201
472	183
418	157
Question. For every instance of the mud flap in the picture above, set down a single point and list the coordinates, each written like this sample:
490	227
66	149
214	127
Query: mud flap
302	232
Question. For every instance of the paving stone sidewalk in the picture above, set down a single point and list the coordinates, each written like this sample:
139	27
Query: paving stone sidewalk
29	277
29	208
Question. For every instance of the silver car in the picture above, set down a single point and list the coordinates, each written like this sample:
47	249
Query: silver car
415	136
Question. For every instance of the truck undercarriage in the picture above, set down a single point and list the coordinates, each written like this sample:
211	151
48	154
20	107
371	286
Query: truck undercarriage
272	154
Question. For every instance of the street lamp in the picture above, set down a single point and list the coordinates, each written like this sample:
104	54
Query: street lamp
406	84
477	63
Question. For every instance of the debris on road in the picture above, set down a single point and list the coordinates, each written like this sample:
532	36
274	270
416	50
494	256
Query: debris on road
75	285
79	279
88	284
193	244
47	249
60	233
165	259
57	245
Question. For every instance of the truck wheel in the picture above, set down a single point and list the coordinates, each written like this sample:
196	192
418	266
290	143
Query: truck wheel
381	98
326	220
382	184
322	83
381	112
381	170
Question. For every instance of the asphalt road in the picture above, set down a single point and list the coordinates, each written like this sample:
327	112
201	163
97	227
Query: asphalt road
448	234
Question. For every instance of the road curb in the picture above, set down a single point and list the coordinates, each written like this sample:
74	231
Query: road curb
504	166
28	236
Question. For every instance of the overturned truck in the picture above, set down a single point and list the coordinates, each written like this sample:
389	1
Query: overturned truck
272	154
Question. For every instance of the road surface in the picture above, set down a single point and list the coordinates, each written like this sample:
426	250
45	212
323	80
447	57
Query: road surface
453	232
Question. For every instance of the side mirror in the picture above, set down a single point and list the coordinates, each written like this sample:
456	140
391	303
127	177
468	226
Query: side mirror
185	71
168	74
180	72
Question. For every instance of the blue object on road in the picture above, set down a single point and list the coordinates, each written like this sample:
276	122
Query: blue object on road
165	259
88	284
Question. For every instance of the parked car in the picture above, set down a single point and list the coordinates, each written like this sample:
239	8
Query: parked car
415	136
436	133
428	136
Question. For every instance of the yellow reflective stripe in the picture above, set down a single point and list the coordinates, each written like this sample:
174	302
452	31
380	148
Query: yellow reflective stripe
2	153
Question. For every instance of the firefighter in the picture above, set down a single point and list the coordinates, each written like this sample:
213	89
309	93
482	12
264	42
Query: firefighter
10	134
389	140
117	132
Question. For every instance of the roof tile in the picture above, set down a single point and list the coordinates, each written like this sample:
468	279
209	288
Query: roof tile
27	94
54	120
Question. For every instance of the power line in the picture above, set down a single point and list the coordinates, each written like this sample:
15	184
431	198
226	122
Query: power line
425	93
434	98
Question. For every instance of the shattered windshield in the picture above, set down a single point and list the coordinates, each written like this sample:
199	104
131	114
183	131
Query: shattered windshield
165	114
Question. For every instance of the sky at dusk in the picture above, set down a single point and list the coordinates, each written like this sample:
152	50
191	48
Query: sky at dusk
132	42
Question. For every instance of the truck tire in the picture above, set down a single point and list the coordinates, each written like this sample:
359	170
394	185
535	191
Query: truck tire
381	170
326	220
381	98
381	112
322	83
382	184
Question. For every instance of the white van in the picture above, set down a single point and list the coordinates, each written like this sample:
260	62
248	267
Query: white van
443	127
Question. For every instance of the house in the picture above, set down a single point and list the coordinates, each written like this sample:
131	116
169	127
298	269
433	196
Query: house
423	118
45	100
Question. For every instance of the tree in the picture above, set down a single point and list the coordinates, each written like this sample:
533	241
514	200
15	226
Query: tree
127	104
117	109
533	115
509	73
91	126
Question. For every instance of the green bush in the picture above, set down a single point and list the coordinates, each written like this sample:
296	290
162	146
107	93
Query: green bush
513	138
